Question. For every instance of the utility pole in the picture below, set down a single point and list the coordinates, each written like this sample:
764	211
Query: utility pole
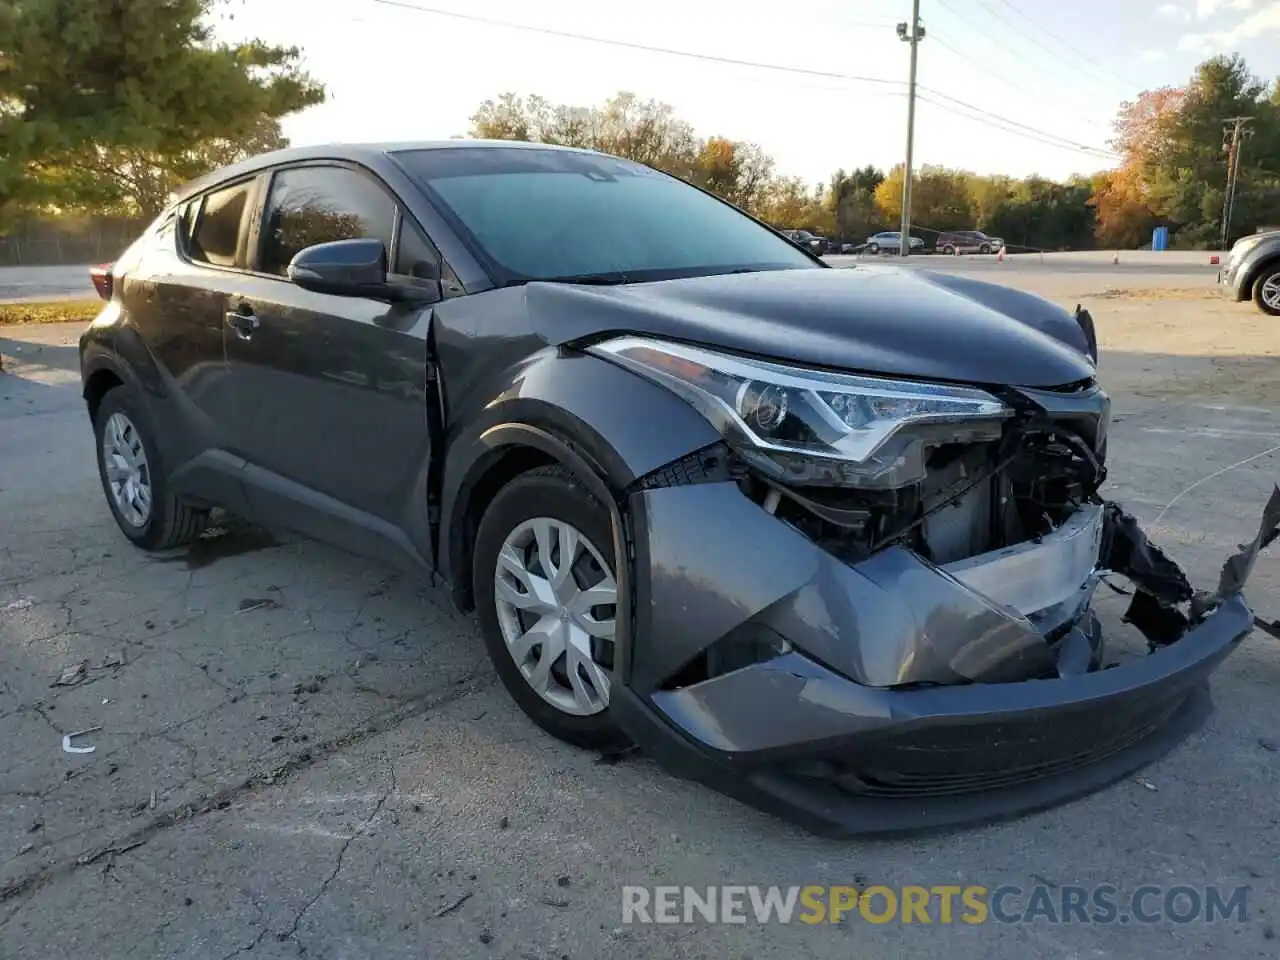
1233	132
911	33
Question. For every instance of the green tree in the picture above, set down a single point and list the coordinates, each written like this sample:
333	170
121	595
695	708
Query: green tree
96	81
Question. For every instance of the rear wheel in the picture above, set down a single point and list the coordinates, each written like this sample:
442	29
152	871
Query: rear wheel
1266	291
133	478
545	589
873	248
949	250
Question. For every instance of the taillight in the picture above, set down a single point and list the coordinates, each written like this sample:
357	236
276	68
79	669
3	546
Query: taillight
102	280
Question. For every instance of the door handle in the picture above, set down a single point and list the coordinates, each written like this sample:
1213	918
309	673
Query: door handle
243	322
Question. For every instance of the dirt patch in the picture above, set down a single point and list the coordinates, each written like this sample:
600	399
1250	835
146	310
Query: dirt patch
49	311
1157	293
1188	349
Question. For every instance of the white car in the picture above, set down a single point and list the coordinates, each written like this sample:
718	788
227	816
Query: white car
891	242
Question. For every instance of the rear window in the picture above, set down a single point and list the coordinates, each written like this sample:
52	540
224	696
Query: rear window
216	235
550	214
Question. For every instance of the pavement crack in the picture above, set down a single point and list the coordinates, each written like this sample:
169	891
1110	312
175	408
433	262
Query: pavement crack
221	800
291	933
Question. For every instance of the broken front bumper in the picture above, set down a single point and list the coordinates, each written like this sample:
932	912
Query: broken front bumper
898	698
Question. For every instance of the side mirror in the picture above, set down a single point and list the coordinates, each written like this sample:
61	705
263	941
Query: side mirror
354	268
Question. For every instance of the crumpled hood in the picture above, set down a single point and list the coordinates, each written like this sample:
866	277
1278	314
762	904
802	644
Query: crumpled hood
886	320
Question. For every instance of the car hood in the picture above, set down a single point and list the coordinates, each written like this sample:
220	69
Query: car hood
885	320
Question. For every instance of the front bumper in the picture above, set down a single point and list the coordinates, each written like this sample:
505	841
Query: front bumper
902	703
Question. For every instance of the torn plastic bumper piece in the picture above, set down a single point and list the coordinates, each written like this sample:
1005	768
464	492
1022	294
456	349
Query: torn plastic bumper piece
905	699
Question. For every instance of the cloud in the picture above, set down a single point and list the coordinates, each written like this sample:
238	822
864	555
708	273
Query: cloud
1151	56
1205	9
1173	12
1262	23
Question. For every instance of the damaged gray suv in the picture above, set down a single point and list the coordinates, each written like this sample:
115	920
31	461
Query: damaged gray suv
825	539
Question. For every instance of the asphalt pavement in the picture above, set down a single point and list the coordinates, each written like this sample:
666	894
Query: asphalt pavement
298	752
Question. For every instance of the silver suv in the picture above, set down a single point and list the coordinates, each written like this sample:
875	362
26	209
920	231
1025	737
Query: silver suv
1252	270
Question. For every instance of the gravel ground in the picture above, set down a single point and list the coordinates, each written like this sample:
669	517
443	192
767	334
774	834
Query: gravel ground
303	753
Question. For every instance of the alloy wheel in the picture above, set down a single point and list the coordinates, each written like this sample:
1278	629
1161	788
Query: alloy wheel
128	474
556	603
1271	291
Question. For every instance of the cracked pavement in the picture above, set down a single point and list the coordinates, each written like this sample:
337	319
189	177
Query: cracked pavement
302	752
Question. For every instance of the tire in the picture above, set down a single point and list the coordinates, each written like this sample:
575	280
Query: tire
985	248
949	250
1266	290
554	494
873	248
168	522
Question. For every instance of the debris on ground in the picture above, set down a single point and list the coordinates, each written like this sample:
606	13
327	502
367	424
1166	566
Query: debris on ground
22	603
74	674
67	746
555	902
96	855
257	603
1147	784
454	905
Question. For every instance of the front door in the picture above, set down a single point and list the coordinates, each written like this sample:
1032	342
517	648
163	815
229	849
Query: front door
329	392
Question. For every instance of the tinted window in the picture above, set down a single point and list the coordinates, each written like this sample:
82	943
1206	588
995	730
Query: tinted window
311	205
217	231
540	214
415	256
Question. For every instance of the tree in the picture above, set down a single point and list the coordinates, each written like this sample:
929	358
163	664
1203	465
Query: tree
136	85
1174	167
940	198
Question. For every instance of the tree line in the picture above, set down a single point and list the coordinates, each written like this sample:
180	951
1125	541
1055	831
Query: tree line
1172	171
107	107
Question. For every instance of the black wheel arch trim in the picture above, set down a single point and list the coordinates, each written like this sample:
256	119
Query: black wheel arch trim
499	441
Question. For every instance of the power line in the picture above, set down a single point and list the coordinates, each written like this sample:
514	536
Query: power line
1076	50
629	45
1064	65
995	118
1050	140
953	105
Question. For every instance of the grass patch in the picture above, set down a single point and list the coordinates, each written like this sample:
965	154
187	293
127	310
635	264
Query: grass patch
50	311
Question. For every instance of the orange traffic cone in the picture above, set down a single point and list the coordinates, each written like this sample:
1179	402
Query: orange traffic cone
1115	257
1000	256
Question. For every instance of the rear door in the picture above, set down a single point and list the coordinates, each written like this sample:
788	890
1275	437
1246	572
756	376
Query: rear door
175	291
330	392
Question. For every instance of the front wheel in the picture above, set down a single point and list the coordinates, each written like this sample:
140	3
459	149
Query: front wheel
985	248
873	248
949	250
546	593
1266	291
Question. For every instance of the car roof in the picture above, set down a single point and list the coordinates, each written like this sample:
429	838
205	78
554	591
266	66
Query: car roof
369	154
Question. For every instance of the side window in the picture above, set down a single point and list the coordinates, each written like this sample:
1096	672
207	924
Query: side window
217	229
415	257
310	205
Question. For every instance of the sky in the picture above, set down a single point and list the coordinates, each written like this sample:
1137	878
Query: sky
1006	86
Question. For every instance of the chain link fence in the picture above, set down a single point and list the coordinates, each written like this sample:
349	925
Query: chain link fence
67	241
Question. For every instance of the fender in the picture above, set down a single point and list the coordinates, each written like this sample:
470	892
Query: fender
624	427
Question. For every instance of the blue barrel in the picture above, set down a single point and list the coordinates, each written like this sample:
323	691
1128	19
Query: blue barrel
1160	238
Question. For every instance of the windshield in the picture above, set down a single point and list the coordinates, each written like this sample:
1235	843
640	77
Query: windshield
561	215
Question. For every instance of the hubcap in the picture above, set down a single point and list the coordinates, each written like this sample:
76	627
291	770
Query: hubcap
555	598
125	463
1271	291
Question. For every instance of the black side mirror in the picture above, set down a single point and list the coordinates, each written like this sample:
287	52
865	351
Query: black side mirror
354	268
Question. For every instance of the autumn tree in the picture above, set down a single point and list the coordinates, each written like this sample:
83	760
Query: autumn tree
106	99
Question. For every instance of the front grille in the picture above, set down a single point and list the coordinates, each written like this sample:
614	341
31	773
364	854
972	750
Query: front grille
955	761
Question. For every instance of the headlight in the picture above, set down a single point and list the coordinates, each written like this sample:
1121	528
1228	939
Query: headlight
811	426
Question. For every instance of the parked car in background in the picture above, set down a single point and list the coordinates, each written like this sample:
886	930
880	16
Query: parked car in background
891	242
824	539
810	241
1252	270
967	241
